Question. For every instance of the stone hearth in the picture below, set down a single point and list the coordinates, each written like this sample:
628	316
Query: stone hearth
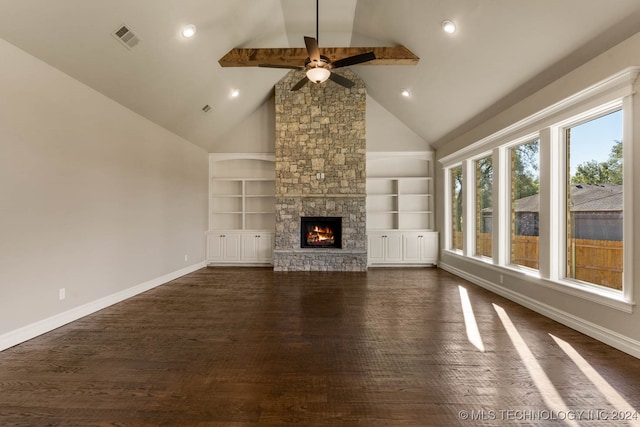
320	160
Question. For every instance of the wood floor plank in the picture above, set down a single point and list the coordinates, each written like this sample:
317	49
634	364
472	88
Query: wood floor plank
249	346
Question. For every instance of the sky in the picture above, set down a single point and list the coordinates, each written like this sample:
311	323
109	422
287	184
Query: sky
593	140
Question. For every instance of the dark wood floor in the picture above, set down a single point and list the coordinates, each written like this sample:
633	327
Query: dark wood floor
236	347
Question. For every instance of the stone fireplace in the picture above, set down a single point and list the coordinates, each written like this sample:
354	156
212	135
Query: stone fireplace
320	161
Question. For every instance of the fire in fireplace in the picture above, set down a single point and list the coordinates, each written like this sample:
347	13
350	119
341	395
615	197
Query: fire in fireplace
321	232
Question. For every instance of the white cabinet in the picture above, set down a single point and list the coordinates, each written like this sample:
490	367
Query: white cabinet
420	247
244	247
257	247
223	247
402	247
384	248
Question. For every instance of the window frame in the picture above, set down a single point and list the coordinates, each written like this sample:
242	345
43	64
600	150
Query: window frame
474	168
449	208
559	263
613	93
507	206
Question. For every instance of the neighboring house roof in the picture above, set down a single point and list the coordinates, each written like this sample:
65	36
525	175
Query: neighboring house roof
584	198
591	198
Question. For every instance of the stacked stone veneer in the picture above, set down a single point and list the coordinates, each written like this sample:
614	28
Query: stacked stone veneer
320	129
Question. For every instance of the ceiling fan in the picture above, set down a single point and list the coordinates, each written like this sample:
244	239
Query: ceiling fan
318	67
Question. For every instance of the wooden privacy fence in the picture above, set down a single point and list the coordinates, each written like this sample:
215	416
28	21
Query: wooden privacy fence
596	261
593	261
524	251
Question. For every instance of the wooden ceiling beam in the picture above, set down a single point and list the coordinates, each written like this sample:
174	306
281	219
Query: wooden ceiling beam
398	55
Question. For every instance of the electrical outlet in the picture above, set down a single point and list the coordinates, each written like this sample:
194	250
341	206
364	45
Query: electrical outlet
501	279
62	293
186	257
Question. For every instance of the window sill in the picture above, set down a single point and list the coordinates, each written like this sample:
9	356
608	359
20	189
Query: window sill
609	298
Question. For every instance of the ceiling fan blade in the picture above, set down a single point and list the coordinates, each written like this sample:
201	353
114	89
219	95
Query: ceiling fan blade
299	85
288	67
312	48
342	81
353	60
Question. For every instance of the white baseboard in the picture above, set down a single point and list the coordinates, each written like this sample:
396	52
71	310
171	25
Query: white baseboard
607	336
40	327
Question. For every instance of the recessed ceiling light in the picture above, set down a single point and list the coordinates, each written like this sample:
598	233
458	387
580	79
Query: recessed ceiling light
235	93
448	27
405	93
188	31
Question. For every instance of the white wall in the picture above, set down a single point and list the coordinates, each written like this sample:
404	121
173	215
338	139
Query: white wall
608	324
385	132
256	134
93	197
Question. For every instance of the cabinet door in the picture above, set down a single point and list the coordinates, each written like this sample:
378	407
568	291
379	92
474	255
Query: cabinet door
231	247
430	247
264	247
376	248
411	247
393	247
249	247
215	245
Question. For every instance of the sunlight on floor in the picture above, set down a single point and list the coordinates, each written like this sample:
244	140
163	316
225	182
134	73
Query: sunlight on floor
547	390
616	400
473	333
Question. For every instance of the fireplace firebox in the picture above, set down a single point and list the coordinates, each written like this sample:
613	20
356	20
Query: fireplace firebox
321	232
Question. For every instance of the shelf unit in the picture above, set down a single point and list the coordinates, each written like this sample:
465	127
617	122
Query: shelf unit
242	192
400	209
400	191
242	204
242	208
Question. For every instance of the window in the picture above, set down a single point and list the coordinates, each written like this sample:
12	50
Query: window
594	202
484	206
525	204
456	207
544	197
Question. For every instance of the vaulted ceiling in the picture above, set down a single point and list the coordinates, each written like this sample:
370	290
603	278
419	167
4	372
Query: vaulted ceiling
503	50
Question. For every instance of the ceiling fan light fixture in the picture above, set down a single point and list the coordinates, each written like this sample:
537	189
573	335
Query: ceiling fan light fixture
448	26
318	74
188	31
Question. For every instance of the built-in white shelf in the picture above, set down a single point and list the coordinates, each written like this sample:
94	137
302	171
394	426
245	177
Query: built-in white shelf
241	209
400	209
400	191
242	192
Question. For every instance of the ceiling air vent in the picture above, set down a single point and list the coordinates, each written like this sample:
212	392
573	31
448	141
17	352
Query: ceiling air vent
126	36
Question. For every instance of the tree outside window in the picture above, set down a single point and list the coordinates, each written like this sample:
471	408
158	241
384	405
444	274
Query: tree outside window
456	208
484	205
525	206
